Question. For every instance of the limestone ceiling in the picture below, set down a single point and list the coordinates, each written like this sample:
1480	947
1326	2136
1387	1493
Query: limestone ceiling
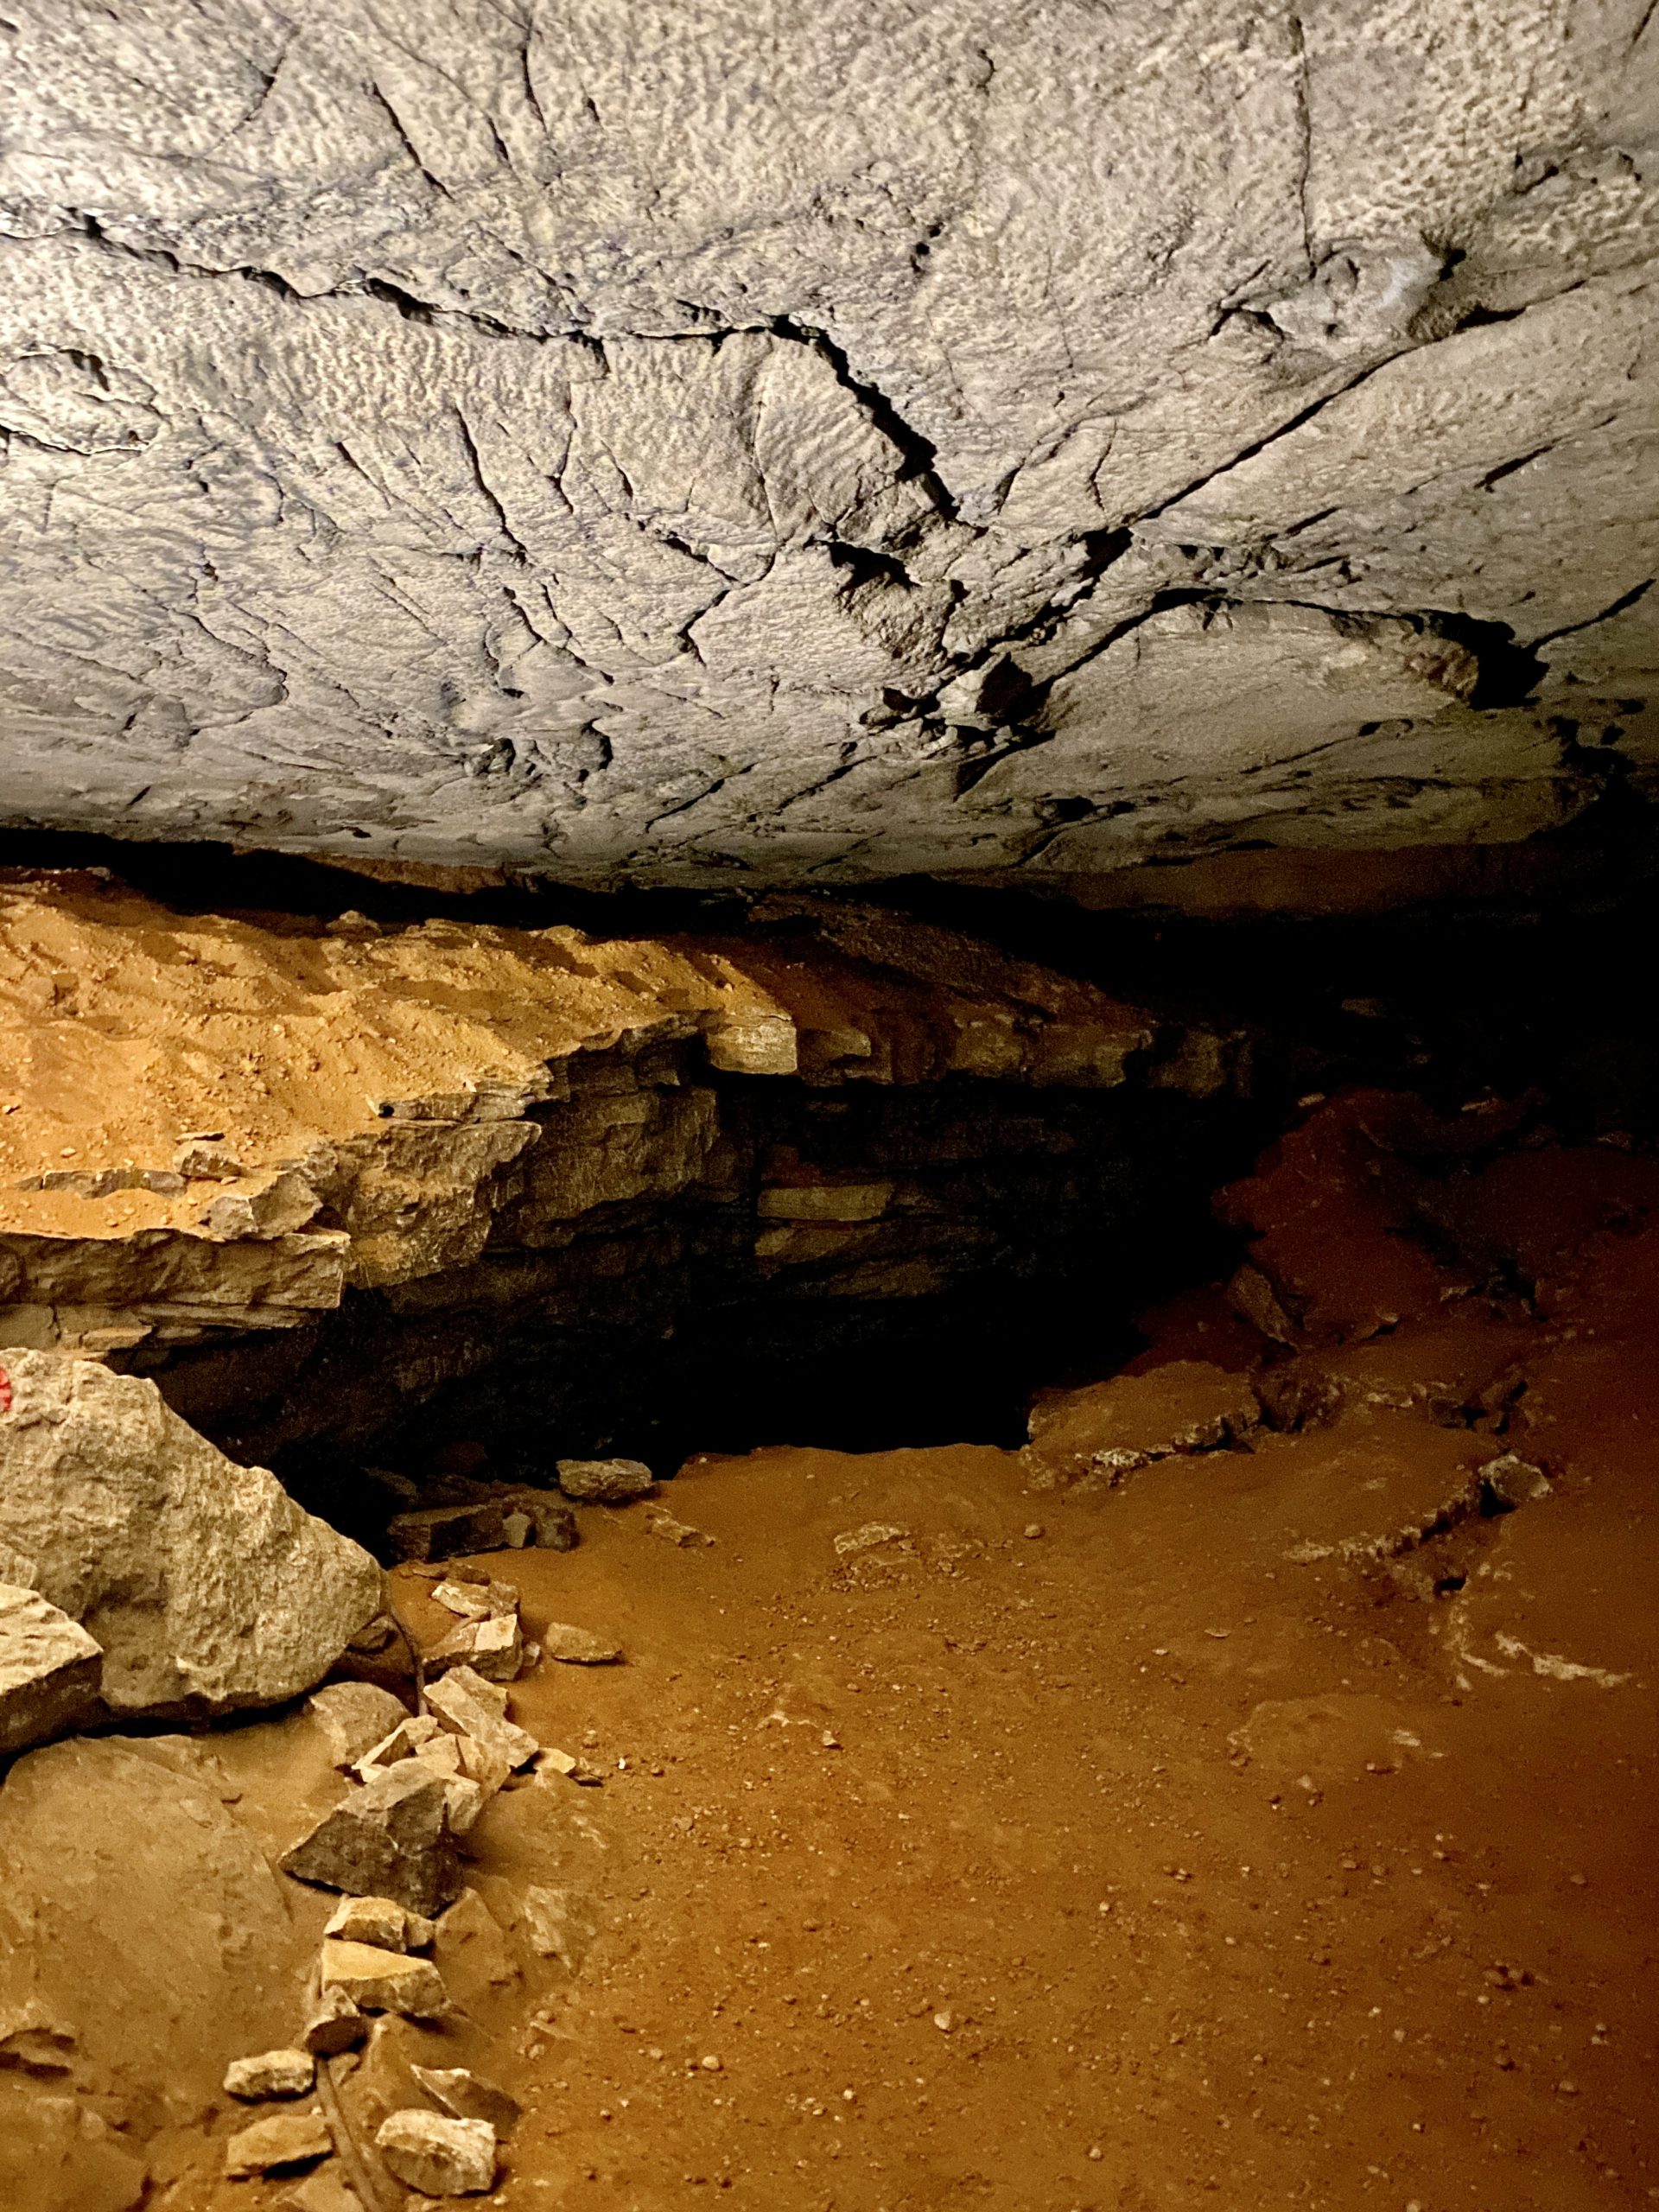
701	441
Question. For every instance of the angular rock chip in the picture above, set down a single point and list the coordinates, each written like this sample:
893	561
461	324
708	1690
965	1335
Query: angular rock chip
272	2073
464	2095
465	1705
206	1586
334	2022
49	1671
323	2191
412	1731
606	1482
868	1535
354	1716
671	1531
444	2157
381	1921
446	1531
494	1648
287	2139
578	1646
390	1838
382	1981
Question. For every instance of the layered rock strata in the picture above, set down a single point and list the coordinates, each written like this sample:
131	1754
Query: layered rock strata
304	1175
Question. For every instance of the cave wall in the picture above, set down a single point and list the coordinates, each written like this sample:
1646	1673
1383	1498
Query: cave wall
689	443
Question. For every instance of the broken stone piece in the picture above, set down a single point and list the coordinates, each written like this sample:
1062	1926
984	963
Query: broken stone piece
461	2094
201	1160
465	1800
382	1921
671	1531
382	1981
868	1535
354	1716
464	1702
444	2157
494	1648
332	2023
390	1838
287	2139
49	1670
411	1732
272	2073
470	1599
552	1524
577	1770
437	1532
323	2191
578	1646
606	1482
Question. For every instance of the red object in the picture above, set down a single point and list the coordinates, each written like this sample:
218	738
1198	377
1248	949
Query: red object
5	1391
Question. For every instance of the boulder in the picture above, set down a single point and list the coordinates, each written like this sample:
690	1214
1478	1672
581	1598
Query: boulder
390	1838
287	2139
444	2157
606	1482
382	1981
285	2073
206	1587
48	1671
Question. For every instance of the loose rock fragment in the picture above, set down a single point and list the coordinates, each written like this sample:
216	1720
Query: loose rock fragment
412	1731
445	1531
444	2157
288	2138
866	1537
578	1646
606	1482
390	1838
465	1704
49	1670
576	1770
333	2023
382	1921
354	1716
492	1647
323	2191
472	1600
676	1532
461	2094
382	1981
272	2073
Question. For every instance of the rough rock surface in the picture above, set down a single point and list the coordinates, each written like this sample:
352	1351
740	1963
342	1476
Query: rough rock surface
390	1839
48	1670
287	2139
843	440
206	1586
447	2157
285	2073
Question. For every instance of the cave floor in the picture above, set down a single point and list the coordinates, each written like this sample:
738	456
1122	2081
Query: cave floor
1128	1865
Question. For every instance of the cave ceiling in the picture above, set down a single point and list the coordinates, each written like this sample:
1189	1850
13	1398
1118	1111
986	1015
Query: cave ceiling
694	442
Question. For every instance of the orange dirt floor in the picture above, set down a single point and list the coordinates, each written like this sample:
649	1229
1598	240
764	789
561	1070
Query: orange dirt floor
1274	1825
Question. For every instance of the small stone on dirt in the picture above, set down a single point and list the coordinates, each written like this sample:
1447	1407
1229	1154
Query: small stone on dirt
333	2023
382	1981
576	1770
288	2138
444	2157
578	1646
272	2073
464	2095
606	1482
390	1838
868	1535
354	1717
492	1647
676	1532
381	1921
466	1706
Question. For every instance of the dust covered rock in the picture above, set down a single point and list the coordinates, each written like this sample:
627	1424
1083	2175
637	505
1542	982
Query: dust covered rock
389	1838
49	1671
382	1981
273	2073
206	1586
606	1482
444	2157
296	2139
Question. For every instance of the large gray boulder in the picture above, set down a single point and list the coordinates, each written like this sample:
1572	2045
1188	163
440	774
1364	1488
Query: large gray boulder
206	1586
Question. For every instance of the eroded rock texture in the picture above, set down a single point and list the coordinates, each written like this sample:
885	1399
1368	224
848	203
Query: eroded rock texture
655	441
